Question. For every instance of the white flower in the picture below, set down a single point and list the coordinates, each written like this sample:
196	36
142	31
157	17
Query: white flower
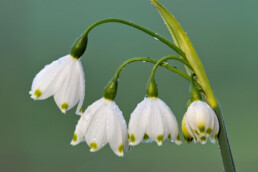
153	119
102	122
63	78
201	122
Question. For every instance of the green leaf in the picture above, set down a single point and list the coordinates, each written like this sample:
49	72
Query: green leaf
183	42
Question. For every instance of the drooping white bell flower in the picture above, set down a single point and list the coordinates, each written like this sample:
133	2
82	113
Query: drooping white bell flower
201	122
63	78
102	123
153	119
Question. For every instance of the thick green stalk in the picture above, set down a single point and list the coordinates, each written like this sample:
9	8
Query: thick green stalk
224	145
181	39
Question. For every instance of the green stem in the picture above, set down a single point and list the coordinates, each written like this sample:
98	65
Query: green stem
169	58
173	69
224	146
160	38
181	39
111	88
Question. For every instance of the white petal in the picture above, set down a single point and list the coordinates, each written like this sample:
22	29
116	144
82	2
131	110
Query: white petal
170	121
81	89
96	135
68	93
123	126
80	131
155	128
46	81
191	131
210	125
86	119
114	131
138	121
215	130
198	116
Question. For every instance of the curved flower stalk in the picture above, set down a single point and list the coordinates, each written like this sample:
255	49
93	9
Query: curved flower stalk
102	123
152	119
64	79
200	123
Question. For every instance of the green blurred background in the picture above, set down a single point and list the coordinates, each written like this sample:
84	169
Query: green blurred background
35	135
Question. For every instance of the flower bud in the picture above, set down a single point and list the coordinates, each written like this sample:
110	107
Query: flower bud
200	122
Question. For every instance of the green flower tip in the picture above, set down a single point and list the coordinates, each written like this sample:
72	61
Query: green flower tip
203	138
209	131
145	137
64	106
201	128
178	138
74	137
132	137
37	93
169	136
215	137
93	145
188	139
196	132
120	148
160	138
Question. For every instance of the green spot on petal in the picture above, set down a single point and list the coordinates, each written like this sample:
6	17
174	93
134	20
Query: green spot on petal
169	136
132	138
196	132
145	137
64	106
37	93
188	139
128	136
74	137
209	131
160	138
93	145
201	128
120	148
177	138
215	137
203	138
80	110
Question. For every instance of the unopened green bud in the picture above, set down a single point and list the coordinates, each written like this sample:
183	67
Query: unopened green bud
79	47
152	89
110	89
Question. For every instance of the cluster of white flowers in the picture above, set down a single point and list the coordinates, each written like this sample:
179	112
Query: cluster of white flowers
103	121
